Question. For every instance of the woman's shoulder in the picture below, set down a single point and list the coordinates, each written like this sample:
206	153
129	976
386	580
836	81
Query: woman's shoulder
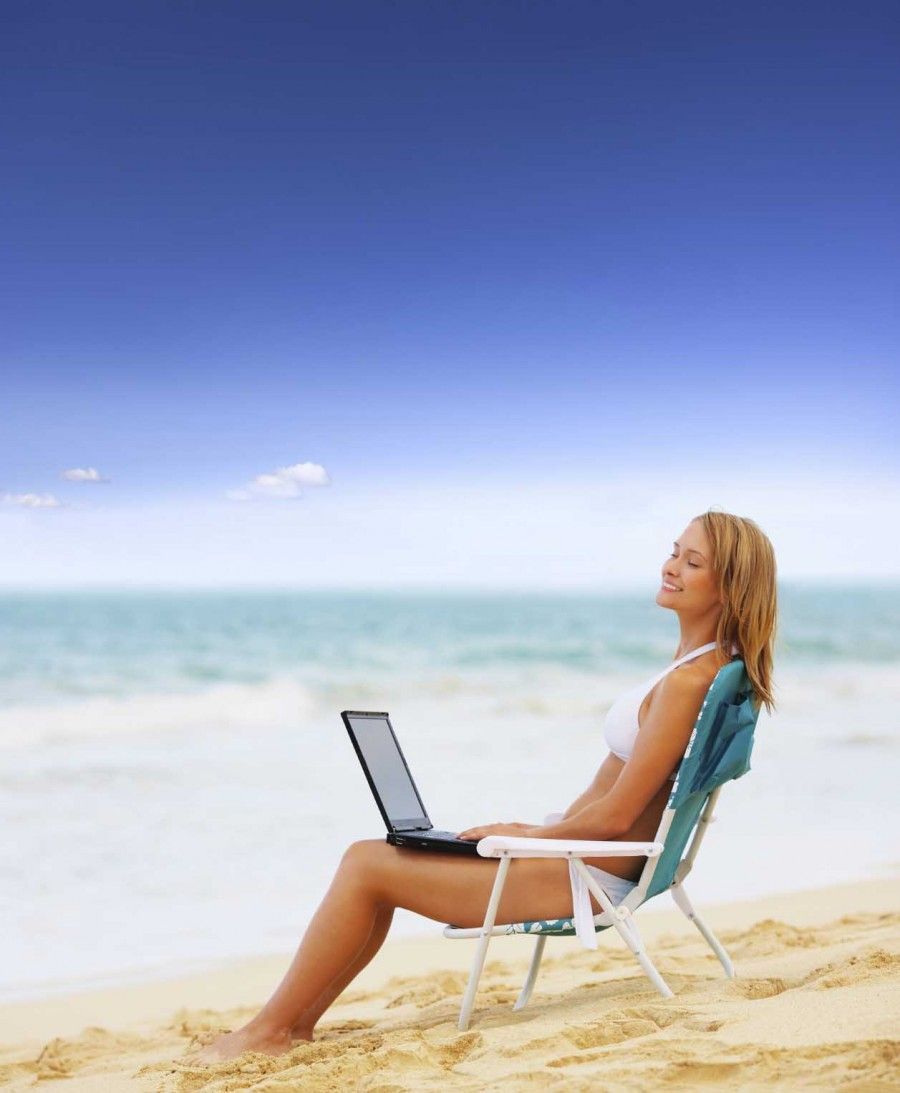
699	673
684	685
680	694
695	675
693	678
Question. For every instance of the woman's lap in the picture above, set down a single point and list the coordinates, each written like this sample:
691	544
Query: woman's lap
455	888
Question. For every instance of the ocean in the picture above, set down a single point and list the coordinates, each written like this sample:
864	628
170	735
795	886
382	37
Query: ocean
177	786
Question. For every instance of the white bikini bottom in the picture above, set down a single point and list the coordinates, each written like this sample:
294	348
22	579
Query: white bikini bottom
617	888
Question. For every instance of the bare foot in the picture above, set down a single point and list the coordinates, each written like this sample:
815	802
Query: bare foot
232	1044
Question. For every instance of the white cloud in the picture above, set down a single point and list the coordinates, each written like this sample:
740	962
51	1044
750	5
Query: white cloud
83	474
32	500
541	533
282	484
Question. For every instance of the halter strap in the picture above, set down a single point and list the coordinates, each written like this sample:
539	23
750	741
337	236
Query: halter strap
693	653
688	656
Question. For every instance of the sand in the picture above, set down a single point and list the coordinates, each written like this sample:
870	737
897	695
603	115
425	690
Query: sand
815	1005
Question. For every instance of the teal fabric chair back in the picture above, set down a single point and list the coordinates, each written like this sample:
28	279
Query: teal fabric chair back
718	750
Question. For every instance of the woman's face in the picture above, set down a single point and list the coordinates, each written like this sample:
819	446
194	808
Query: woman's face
688	582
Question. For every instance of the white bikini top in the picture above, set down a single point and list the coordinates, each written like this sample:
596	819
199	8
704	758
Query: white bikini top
620	728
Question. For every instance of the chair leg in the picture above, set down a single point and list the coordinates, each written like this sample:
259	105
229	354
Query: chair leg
483	942
528	986
627	927
681	899
623	920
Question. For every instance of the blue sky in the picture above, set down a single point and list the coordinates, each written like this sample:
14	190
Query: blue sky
585	265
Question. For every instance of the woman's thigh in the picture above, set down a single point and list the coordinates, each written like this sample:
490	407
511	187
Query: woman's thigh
454	889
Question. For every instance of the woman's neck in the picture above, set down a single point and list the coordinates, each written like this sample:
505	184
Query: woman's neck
690	642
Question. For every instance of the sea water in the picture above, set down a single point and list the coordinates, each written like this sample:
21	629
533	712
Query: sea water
176	785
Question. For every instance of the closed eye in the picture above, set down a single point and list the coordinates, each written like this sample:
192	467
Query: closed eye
694	564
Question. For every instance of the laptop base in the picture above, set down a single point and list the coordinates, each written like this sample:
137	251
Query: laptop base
415	840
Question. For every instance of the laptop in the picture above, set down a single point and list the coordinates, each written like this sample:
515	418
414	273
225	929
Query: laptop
394	790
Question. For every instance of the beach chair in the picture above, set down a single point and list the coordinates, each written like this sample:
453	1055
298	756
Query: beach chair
718	751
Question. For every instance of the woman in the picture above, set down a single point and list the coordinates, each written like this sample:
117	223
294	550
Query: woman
720	581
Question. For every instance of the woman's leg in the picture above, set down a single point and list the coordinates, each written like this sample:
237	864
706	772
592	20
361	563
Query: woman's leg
302	1028
346	931
353	919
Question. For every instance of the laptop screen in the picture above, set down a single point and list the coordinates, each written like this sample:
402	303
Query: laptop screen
386	767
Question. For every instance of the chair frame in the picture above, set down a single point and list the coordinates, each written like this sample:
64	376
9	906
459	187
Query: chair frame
621	916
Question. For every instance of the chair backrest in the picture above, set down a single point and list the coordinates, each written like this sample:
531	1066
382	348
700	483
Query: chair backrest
718	750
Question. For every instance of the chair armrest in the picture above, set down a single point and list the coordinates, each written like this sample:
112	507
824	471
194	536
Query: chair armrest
502	846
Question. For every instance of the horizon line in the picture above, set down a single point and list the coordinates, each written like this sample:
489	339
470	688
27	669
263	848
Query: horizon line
888	582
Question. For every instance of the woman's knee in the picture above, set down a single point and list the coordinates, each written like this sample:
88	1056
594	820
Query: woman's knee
362	855
367	865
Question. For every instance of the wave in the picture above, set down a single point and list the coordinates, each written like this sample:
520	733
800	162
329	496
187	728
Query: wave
277	701
848	681
868	740
844	701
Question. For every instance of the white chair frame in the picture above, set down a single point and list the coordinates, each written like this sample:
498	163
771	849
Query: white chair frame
621	916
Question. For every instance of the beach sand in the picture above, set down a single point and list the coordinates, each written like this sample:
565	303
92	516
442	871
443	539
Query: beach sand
815	1005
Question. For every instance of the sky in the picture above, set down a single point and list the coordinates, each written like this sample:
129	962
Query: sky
450	294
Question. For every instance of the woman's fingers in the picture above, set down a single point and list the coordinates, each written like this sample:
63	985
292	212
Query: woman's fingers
478	832
471	833
490	829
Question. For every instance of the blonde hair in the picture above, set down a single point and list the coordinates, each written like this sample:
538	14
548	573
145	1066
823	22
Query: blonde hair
743	562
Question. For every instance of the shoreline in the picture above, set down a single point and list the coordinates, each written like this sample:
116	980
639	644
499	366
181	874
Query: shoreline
843	937
126	979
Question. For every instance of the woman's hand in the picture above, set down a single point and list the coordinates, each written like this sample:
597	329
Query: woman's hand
476	833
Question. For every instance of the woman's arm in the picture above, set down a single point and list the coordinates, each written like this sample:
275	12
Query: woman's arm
658	749
602	783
